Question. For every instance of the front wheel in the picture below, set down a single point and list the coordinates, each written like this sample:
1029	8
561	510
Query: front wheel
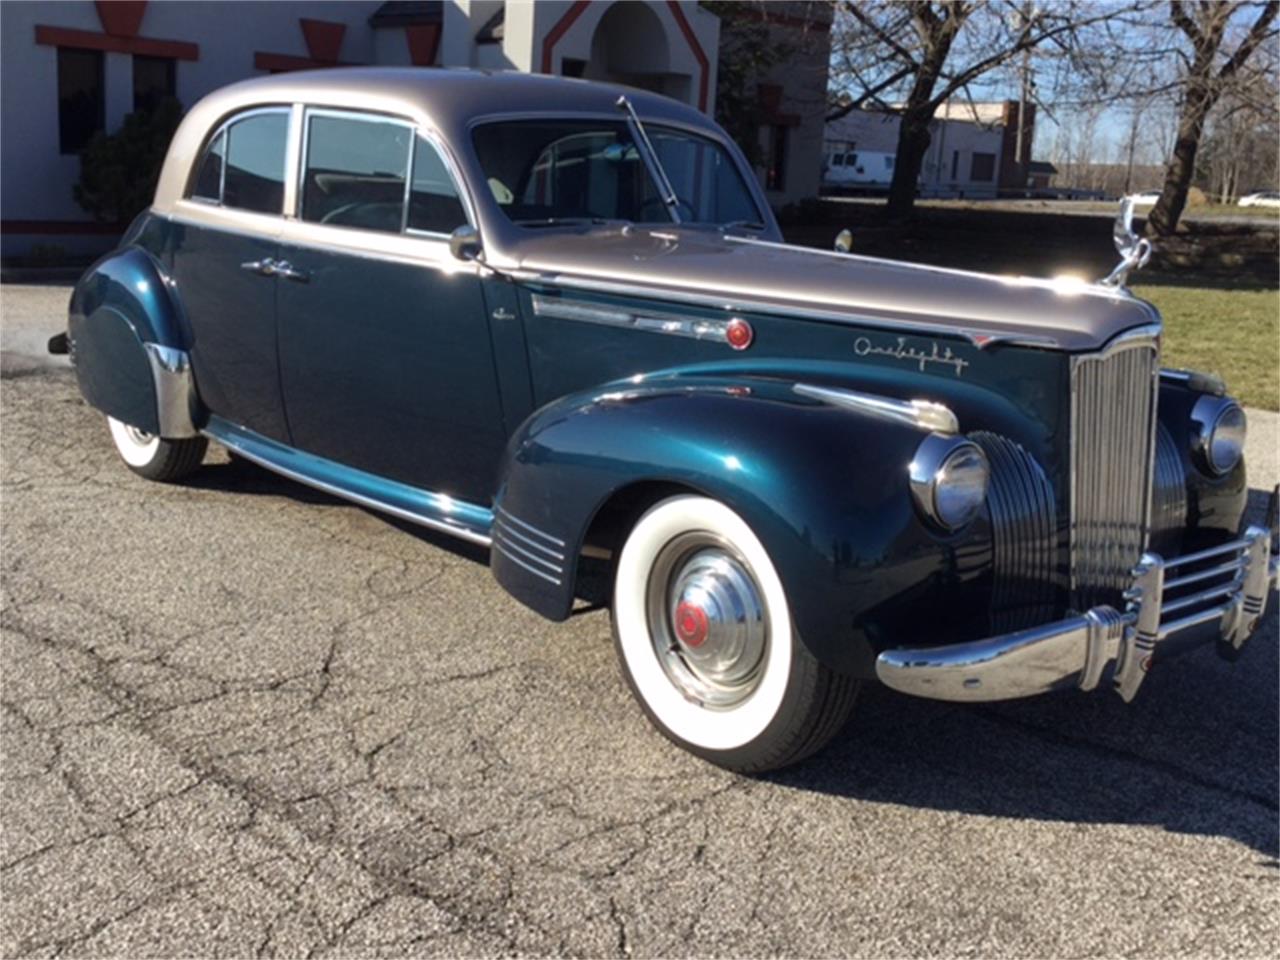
707	643
154	457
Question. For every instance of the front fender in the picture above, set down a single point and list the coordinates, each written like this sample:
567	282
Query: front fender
824	488
129	344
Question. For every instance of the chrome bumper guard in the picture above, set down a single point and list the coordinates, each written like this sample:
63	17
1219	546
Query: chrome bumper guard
1225	586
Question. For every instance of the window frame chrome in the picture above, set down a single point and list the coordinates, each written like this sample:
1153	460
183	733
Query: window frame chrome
223	127
416	130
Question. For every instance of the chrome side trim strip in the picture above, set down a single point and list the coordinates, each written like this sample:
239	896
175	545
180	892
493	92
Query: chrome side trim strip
176	401
503	537
695	328
530	542
978	336
501	548
436	511
508	515
921	414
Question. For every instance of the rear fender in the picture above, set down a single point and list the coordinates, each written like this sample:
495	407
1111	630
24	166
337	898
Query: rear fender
129	344
824	488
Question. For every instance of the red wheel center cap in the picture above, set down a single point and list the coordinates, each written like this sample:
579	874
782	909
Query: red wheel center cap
691	624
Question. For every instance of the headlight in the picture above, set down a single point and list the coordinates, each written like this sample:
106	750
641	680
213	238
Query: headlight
1217	433
949	480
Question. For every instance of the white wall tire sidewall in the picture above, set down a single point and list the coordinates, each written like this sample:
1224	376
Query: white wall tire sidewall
133	453
699	726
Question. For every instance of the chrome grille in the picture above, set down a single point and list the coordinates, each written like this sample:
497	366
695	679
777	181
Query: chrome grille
1112	449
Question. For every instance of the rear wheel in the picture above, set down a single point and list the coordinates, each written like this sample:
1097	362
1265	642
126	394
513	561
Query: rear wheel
154	457
707	643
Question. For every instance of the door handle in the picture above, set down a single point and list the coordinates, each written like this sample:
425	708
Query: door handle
266	268
287	270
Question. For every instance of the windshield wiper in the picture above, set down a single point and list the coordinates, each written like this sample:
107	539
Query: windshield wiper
755	225
651	158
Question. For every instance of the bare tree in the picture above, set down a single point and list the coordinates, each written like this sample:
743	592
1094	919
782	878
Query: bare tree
924	52
1211	69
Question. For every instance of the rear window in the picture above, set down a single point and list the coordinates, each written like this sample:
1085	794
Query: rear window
244	164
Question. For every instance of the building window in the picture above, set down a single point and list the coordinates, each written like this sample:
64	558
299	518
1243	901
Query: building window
154	79
955	164
82	102
983	167
776	161
572	67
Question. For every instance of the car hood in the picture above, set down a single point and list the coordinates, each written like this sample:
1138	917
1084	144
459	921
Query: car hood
704	266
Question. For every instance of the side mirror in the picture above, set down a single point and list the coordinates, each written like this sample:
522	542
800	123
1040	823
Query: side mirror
844	241
464	242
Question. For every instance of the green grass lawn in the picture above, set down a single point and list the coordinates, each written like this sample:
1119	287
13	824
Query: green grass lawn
1232	333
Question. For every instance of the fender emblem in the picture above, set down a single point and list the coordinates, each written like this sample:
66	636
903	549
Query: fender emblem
900	351
502	313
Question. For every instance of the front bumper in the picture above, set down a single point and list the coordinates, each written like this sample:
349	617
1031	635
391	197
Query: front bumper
1216	593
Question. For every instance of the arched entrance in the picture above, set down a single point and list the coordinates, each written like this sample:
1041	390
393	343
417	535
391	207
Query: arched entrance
630	46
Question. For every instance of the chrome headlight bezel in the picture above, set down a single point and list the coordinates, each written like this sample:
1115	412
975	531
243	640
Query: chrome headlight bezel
1218	431
949	465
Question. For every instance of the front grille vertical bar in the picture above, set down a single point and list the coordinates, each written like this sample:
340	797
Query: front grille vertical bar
1113	441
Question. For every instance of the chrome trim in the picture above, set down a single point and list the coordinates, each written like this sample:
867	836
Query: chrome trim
1078	650
436	511
502	549
1205	417
1134	250
508	515
694	328
921	414
927	469
503	537
1113	447
1024	538
176	400
978	336
223	126
1168	491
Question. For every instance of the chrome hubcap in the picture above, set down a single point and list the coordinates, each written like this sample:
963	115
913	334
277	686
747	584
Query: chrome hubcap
140	437
707	620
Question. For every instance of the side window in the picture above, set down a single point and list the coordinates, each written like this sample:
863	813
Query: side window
354	172
208	185
255	158
434	204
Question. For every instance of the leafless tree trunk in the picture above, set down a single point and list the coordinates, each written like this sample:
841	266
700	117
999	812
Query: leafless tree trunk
1205	26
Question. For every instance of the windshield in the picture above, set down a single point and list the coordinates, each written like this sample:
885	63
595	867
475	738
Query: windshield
549	172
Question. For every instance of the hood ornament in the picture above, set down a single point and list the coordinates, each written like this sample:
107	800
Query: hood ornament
1134	251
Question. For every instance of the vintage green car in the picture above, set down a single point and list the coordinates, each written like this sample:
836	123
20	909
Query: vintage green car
557	318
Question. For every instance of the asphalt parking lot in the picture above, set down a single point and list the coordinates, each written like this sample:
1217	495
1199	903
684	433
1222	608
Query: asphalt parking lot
242	718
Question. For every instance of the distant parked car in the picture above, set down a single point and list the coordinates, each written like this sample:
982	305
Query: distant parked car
1147	198
1263	198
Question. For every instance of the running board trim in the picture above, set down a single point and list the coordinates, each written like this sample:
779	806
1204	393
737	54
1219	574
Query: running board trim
436	511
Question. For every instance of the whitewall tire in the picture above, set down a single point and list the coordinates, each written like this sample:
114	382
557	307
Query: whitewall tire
154	457
707	643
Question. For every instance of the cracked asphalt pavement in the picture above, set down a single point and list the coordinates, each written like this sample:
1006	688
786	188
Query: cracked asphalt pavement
241	718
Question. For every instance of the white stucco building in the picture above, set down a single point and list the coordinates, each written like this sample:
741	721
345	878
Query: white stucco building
72	68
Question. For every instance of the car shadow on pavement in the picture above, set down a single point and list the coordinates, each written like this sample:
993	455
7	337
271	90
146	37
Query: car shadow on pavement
1196	752
238	475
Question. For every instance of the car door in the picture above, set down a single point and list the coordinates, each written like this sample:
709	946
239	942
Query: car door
226	234
385	354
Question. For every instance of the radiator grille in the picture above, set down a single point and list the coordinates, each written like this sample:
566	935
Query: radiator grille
1112	440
